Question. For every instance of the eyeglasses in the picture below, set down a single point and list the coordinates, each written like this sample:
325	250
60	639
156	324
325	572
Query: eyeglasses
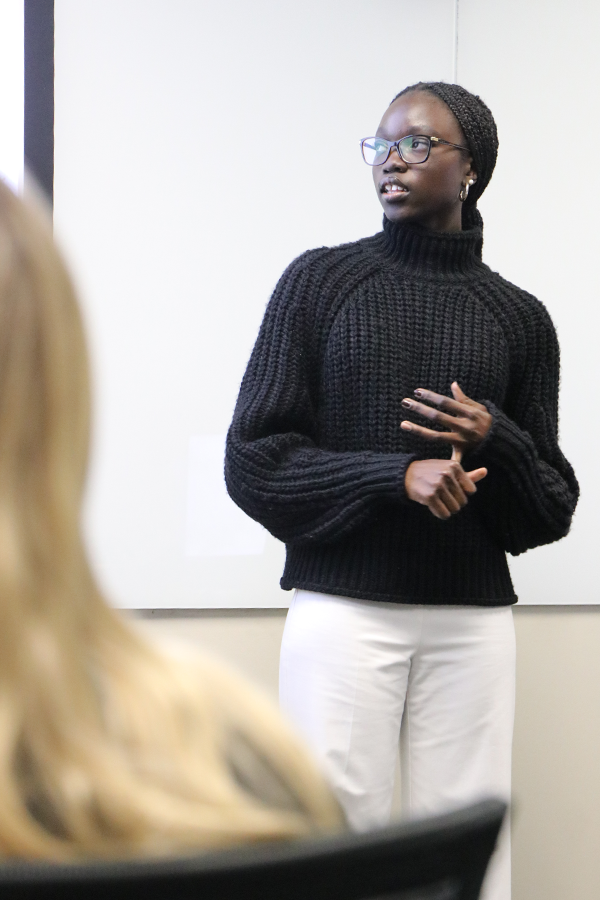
413	149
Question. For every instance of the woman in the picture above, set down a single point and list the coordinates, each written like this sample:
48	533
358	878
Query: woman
397	428
107	746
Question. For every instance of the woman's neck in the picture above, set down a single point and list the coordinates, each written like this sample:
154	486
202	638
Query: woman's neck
431	252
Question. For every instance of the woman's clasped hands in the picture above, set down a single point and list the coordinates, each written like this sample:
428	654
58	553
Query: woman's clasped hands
442	484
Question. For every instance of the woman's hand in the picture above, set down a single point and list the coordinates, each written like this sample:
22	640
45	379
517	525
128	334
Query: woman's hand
468	421
441	484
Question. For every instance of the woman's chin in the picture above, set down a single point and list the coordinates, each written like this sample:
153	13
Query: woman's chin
398	213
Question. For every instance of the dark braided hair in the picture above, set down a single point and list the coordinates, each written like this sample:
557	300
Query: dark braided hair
479	129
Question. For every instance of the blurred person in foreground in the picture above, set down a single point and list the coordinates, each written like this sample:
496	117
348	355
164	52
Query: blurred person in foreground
107	747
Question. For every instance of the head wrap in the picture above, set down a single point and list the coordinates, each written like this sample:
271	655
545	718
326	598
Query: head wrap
481	135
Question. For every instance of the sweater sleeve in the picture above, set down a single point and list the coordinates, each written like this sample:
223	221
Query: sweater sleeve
275	469
530	493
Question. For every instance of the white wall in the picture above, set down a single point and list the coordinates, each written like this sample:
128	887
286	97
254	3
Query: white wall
11	91
536	64
199	147
192	165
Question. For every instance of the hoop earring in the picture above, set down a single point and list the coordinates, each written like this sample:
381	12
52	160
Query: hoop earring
464	191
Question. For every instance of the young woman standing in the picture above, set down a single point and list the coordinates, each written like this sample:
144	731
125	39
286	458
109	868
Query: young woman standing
397	428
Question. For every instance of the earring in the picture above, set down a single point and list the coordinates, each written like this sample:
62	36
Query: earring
464	192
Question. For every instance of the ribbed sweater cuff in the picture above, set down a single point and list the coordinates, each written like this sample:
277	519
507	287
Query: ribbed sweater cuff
401	476
386	476
505	444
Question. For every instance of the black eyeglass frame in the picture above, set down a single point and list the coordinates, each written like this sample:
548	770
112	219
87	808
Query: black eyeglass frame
396	144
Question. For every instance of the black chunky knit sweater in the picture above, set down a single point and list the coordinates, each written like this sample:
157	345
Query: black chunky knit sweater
315	450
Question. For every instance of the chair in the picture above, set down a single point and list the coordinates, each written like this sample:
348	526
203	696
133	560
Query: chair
442	858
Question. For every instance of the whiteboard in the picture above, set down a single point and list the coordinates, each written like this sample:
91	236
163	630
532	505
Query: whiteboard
537	65
189	171
11	91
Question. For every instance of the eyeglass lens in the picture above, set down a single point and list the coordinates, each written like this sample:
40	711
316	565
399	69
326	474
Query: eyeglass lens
412	148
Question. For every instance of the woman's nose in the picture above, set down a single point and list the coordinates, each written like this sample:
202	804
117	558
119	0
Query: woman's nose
395	160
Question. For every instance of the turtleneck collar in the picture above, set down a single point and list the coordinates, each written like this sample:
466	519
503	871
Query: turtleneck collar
432	253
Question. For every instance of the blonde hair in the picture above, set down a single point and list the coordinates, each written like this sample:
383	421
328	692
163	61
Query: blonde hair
107	747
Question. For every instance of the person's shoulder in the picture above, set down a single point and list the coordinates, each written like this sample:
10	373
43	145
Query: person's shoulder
529	309
317	281
323	260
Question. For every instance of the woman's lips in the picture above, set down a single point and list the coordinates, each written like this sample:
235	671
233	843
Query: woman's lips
393	190
395	194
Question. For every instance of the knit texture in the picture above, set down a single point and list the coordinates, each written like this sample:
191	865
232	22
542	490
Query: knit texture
315	450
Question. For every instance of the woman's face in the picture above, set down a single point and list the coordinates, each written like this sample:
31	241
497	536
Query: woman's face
428	191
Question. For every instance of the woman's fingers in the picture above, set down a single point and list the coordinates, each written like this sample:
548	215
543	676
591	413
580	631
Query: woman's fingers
456	453
458	393
467	421
448	505
476	475
467	483
447	437
448	502
440	484
436	415
454	483
450	404
439	510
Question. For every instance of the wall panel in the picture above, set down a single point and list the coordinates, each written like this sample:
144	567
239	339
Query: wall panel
199	147
537	66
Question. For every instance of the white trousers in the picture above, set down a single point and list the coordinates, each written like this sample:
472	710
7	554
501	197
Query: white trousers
358	676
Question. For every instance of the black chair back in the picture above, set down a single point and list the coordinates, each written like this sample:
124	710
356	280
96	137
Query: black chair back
442	858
